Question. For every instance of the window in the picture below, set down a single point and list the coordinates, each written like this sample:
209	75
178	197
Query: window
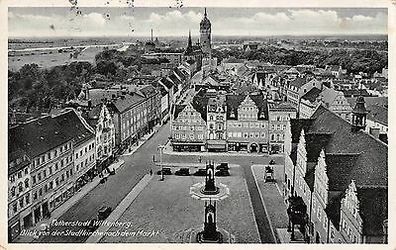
13	191
15	207
51	185
50	170
45	173
35	196
26	171
19	174
40	192
34	179
20	187
45	188
21	203
76	155
57	181
27	198
56	167
26	183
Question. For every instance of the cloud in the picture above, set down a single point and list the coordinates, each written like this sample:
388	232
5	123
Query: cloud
177	22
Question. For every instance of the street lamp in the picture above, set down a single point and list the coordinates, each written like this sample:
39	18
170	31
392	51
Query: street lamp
161	149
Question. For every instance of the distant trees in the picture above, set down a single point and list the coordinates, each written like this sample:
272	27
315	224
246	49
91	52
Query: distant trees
35	89
353	60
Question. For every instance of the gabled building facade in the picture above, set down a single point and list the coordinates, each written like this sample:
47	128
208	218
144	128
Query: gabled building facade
340	174
188	129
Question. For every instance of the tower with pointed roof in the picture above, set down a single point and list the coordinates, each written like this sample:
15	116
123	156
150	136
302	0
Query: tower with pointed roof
205	35
359	114
189	48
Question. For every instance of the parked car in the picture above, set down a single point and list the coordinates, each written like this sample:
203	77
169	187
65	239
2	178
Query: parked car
104	212
200	172
223	165
222	172
167	171
183	171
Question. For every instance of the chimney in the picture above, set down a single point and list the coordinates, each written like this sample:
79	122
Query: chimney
152	34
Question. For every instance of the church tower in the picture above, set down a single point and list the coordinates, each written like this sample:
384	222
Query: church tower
205	35
359	114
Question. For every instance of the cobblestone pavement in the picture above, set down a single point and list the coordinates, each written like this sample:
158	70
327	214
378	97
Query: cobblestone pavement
271	194
166	207
245	161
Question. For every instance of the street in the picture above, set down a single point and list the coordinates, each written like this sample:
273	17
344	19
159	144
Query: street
114	190
136	166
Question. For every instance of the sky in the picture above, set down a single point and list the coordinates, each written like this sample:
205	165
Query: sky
165	21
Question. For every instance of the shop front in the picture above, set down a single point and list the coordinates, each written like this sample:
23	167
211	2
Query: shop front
14	228
188	146
216	146
263	147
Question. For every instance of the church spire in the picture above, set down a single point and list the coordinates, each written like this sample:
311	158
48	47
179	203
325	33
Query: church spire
205	12
189	39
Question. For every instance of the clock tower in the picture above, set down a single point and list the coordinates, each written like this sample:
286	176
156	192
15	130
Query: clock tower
205	35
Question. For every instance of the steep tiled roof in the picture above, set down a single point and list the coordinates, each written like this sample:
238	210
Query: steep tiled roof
200	101
315	142
355	92
178	108
168	84
312	94
340	170
373	209
298	82
126	102
38	136
297	125
233	102
74	127
148	90
372	162
261	104
14	152
329	95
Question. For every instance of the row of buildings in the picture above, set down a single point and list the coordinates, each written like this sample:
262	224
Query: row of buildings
336	178
221	121
51	157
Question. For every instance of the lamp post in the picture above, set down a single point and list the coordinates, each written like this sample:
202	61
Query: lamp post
161	149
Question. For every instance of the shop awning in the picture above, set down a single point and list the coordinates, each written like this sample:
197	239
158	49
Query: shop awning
188	143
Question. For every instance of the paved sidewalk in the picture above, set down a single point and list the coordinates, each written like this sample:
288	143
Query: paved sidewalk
284	236
68	204
169	151
142	140
120	209
272	198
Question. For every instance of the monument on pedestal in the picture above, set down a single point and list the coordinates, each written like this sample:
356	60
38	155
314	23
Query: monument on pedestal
210	193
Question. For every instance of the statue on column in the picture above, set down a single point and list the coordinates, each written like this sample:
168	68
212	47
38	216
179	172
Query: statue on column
210	186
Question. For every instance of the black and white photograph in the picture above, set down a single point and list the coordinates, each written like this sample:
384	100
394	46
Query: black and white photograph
197	122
